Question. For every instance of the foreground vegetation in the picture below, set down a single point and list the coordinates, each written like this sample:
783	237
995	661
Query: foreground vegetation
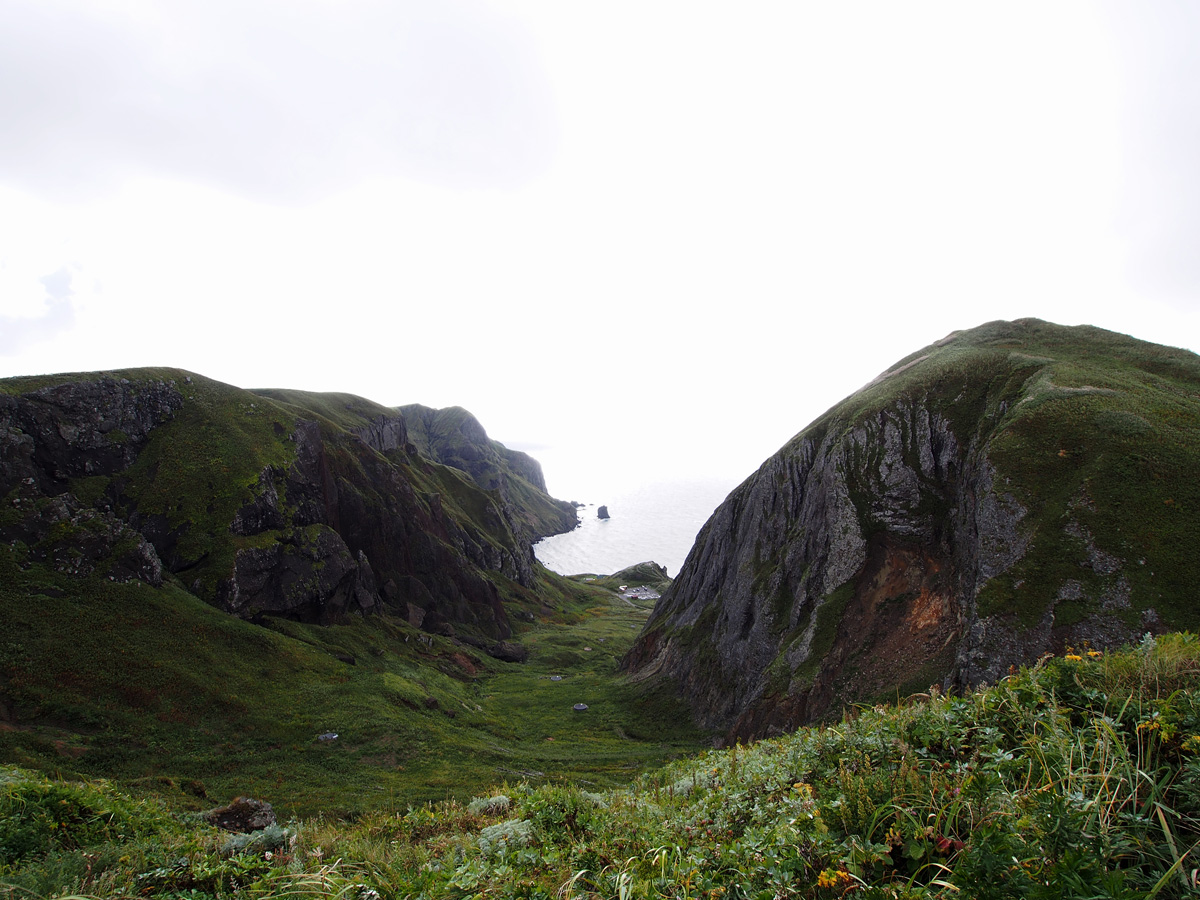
1079	777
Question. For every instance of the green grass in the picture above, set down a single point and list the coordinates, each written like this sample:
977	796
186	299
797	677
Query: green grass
200	467
342	410
1077	778
152	685
1117	459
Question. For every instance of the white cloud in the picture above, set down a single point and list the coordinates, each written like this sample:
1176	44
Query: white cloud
275	102
54	316
713	222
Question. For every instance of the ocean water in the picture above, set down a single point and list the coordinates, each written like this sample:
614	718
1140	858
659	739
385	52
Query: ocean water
656	521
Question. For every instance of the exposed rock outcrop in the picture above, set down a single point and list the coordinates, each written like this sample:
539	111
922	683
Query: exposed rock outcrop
75	540
242	815
309	506
309	574
964	513
454	437
92	426
384	433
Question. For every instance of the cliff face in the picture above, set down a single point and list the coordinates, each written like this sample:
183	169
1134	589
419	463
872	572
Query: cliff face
454	437
1007	492
309	506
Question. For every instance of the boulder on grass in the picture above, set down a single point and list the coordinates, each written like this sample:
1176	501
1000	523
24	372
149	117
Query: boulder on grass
243	814
509	651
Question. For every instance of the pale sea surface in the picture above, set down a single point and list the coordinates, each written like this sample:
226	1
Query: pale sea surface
655	522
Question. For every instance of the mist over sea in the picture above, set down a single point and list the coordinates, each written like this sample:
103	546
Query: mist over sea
656	521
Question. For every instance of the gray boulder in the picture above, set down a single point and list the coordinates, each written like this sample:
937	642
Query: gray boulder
243	814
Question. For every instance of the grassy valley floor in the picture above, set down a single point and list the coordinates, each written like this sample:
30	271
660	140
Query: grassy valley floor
174	699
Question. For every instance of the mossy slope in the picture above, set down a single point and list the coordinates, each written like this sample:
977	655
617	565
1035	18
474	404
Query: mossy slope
996	495
308	505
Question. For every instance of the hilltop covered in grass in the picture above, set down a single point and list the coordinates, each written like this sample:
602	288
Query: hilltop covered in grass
1079	777
1002	493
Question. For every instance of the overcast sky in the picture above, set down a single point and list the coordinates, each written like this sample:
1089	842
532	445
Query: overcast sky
638	239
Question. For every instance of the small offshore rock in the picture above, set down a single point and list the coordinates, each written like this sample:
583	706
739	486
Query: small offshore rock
602	513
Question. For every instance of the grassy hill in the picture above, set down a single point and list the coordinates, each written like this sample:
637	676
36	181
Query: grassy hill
454	437
143	515
1005	492
406	757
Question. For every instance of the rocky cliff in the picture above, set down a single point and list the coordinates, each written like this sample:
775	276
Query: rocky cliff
309	506
1006	492
454	437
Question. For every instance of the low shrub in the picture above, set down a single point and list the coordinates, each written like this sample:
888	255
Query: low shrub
38	816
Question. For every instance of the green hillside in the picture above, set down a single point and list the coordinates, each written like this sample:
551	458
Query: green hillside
1082	423
1004	492
197	582
160	691
318	601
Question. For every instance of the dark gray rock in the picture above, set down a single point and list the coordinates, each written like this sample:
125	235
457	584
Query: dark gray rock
384	433
509	651
602	512
243	814
309	575
312	535
80	541
453	437
834	505
85	427
263	512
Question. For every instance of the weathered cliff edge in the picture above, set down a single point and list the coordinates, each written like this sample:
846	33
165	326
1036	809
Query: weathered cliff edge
308	506
454	437
1003	493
